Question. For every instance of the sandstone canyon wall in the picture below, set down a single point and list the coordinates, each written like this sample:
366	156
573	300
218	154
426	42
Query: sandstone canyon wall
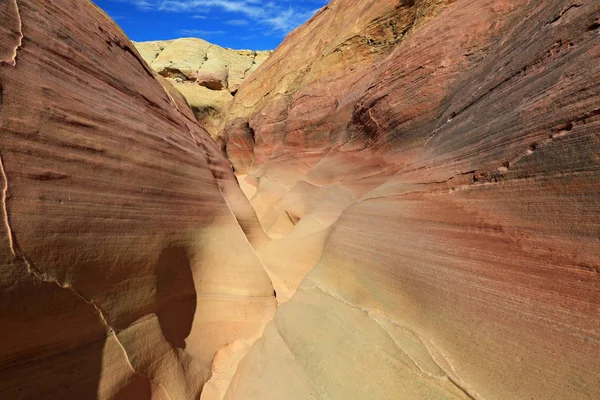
207	75
427	174
126	263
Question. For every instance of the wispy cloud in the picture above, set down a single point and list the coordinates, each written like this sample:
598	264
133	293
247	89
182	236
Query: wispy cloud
200	32
276	16
238	22
144	5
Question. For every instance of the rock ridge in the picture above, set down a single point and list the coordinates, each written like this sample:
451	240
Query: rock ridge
207	75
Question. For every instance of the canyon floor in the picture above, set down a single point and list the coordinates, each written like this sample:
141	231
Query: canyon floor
402	201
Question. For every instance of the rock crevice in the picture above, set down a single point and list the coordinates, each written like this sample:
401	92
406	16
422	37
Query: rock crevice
401	199
12	28
46	278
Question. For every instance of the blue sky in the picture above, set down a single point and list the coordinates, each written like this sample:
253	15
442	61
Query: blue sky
239	24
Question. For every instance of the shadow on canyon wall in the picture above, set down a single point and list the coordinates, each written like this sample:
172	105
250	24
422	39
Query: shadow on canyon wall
176	295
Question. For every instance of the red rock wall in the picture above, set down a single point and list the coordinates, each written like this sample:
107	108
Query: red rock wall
439	160
427	172
123	269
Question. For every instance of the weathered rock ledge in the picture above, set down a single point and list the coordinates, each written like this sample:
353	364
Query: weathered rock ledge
207	75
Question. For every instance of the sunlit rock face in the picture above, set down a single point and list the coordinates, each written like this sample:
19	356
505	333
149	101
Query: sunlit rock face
429	172
207	75
423	223
126	264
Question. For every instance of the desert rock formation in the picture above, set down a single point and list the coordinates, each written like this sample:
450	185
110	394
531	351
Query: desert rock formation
429	172
423	223
126	250
207	75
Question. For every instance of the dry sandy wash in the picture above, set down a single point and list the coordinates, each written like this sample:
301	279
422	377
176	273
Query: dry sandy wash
423	218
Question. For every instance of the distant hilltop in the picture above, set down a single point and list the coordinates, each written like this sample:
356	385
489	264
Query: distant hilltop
207	75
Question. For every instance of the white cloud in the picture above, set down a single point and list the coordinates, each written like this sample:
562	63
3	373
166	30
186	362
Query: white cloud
200	32
238	22
144	5
279	16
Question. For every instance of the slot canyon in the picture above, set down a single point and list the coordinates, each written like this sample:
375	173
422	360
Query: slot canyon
401	201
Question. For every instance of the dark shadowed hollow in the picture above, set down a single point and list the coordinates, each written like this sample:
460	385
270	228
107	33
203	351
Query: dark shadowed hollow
176	295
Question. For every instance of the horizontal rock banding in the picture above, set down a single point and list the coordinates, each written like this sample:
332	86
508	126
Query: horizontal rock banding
445	152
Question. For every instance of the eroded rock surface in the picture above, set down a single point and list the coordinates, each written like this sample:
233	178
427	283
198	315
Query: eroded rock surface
207	75
429	174
126	263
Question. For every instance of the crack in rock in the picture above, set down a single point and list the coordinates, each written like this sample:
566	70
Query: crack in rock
454	380
9	232
43	277
254	54
12	16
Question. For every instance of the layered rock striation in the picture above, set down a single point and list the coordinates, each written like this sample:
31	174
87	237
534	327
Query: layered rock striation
429	174
423	218
127	267
207	75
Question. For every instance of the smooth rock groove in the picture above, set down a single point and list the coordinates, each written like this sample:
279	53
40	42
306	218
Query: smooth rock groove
433	164
401	201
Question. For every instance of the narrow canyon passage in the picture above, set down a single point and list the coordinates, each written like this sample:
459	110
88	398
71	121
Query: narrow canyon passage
402	201
430	187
